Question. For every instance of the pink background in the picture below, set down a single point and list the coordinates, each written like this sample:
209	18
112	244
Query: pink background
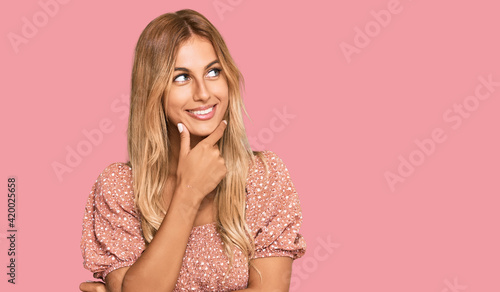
355	118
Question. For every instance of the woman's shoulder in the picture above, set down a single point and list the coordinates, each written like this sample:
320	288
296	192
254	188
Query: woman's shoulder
267	165
111	236
116	172
273	211
261	160
268	178
114	184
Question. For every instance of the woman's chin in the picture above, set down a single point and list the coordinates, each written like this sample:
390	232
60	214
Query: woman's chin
201	131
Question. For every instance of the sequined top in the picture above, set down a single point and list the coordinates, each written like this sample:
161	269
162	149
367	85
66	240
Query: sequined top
112	236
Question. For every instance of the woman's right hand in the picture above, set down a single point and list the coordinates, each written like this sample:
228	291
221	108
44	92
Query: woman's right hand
201	168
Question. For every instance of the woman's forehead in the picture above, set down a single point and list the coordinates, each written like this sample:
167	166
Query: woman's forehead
195	53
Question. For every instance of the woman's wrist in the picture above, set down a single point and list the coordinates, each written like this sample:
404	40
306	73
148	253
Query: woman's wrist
189	195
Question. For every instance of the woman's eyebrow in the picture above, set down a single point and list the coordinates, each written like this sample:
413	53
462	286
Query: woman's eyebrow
187	70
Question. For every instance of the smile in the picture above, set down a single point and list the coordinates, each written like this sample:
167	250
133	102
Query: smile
204	114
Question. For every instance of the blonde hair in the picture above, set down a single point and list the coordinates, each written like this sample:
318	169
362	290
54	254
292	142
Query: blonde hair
148	142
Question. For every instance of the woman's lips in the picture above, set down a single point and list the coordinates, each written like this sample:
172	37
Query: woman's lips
202	107
205	114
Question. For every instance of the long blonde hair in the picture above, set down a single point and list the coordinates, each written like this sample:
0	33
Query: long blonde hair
148	142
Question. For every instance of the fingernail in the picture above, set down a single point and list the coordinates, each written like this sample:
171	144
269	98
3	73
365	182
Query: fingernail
179	126
225	121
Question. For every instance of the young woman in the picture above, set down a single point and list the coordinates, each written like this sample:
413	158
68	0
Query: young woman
195	209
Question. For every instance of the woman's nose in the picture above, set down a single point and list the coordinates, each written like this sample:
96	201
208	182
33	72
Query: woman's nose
201	92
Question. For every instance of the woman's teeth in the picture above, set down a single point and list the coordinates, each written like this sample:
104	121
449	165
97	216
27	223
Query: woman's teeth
203	112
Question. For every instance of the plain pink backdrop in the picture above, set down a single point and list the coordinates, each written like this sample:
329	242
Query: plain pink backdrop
351	119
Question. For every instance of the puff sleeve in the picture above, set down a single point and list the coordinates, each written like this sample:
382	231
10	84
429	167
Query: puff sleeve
274	211
111	236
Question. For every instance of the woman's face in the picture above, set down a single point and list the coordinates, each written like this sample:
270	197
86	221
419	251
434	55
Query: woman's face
198	97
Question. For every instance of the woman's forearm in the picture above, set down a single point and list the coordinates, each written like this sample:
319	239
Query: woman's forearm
157	269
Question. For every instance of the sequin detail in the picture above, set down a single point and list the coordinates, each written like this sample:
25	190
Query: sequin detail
112	236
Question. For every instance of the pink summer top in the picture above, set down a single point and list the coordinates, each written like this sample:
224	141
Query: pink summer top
112	236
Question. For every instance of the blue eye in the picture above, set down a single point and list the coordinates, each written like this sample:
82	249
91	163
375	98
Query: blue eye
216	70
179	76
